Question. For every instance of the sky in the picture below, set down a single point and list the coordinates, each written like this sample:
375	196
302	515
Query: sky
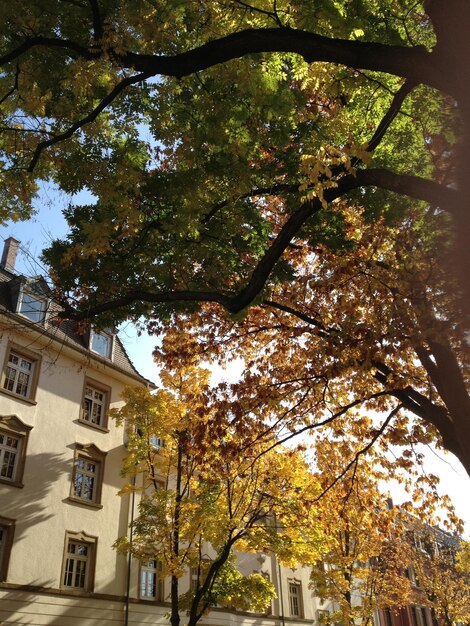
48	223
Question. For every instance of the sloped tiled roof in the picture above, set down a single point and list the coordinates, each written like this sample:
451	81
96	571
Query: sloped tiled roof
66	331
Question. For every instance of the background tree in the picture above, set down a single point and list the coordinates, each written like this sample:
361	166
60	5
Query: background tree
367	546
442	578
209	490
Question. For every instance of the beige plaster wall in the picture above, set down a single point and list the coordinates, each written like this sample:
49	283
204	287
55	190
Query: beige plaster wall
41	508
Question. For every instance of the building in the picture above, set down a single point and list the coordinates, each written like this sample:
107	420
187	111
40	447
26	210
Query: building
60	459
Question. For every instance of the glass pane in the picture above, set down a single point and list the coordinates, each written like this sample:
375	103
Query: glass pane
8	465
68	574
12	442
80	574
32	308
87	408
101	344
13	358
10	375
88	487
22	384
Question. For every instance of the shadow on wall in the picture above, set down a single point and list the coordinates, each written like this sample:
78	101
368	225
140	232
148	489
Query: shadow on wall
31	505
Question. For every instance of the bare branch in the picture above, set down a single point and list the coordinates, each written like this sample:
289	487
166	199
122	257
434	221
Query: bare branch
14	88
362	451
50	42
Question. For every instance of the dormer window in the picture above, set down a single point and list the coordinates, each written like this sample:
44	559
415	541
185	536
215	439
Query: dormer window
101	343
33	307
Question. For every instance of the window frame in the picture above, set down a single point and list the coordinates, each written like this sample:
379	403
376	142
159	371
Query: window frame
146	570
102	333
13	426
8	526
27	355
319	613
88	452
388	616
89	580
291	584
44	302
100	387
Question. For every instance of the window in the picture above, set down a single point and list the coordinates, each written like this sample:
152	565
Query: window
388	617
323	616
7	530
13	441
9	451
411	574
193	578
156	442
101	343
418	616
95	404
33	307
151	583
20	372
198	573
295	599
79	561
87	475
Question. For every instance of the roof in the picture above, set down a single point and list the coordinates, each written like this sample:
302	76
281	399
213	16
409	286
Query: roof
67	332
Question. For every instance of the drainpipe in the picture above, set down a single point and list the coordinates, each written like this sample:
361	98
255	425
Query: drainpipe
129	557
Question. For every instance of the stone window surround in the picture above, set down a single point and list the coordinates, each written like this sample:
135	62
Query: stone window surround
291	583
8	526
12	425
99	386
92	542
29	355
91	453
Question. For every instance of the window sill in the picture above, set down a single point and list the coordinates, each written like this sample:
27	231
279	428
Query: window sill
17	396
88	503
102	429
11	483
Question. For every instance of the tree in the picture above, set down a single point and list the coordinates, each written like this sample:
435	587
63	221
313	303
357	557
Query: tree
262	118
362	568
441	576
209	488
372	325
369	545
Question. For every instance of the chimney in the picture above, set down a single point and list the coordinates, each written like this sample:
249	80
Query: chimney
10	250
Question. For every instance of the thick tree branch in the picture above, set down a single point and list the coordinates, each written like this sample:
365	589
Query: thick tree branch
409	62
413	62
96	19
412	186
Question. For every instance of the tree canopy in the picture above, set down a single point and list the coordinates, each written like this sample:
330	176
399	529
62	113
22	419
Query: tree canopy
231	147
207	490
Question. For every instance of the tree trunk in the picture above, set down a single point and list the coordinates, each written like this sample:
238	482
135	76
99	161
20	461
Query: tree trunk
175	616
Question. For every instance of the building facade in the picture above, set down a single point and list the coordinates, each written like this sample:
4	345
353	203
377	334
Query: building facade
60	460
